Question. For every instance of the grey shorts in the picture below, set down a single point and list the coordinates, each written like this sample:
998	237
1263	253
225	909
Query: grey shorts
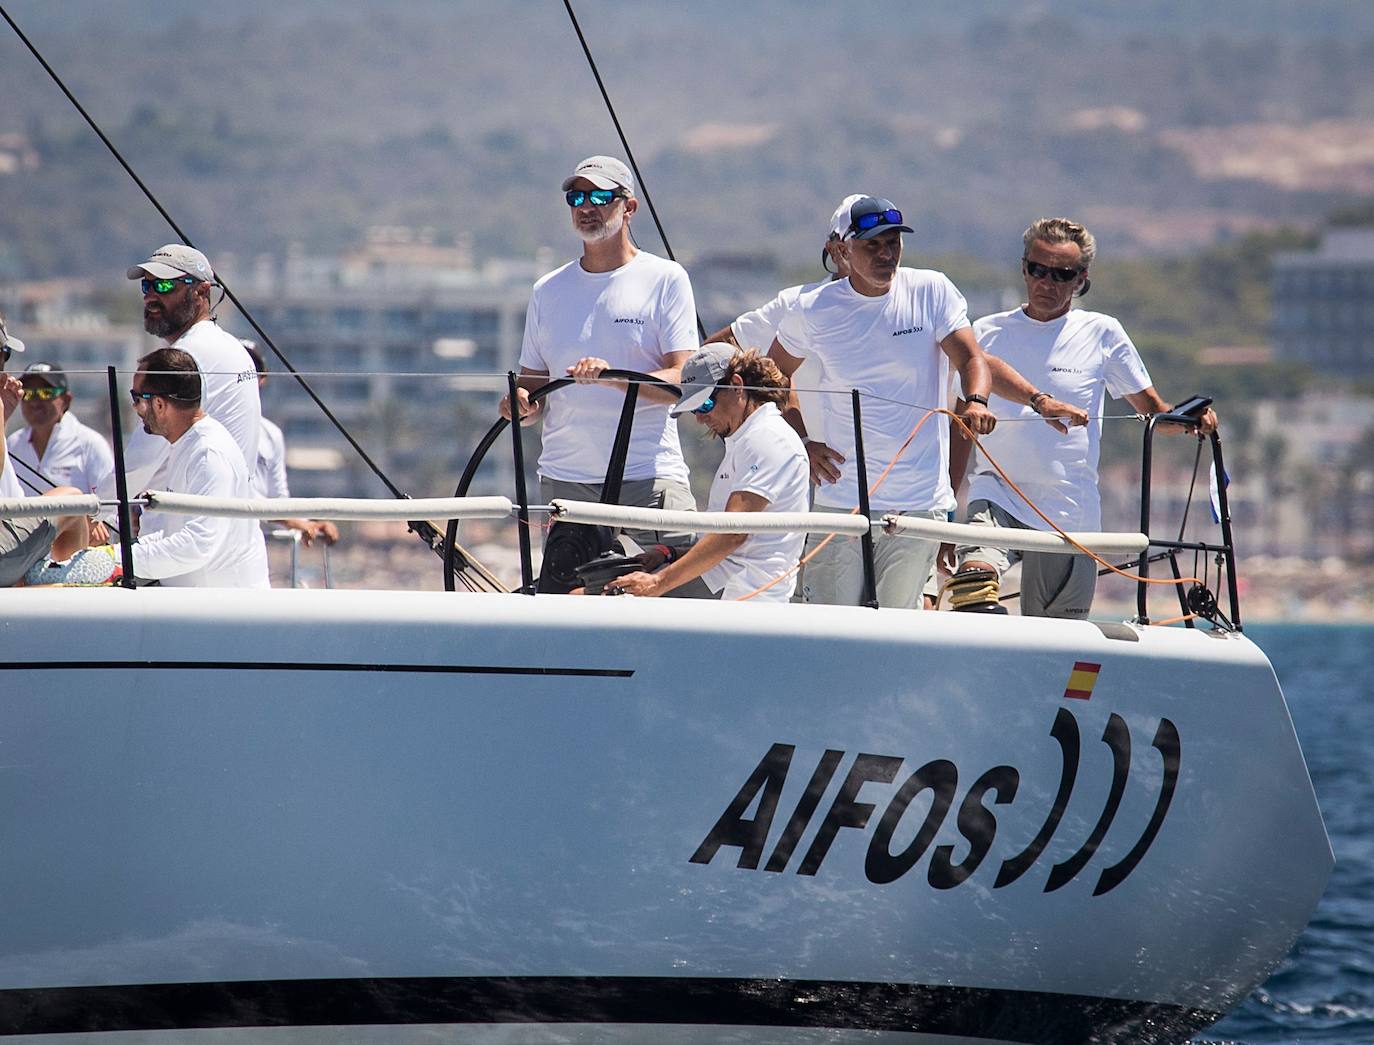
1051	585
902	566
23	542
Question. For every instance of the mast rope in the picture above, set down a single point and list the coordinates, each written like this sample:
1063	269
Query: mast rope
424	530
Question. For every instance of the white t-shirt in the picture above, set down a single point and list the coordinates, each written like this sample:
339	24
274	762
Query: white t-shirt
229	395
269	478
758	328
763	456
886	347
1074	358
9	482
75	455
632	317
204	551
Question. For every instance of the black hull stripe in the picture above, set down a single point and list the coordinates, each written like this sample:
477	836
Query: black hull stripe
236	665
969	1012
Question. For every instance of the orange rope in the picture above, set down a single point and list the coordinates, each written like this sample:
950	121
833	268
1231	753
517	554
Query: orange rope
1019	492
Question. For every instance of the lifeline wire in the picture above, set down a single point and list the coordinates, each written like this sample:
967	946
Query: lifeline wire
429	538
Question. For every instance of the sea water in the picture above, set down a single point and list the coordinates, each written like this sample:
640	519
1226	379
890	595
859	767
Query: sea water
1324	990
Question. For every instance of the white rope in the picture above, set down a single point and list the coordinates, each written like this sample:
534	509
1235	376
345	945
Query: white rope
710	522
1014	539
42	507
345	508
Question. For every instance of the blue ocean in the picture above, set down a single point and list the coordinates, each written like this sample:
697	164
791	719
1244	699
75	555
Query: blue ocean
1324	990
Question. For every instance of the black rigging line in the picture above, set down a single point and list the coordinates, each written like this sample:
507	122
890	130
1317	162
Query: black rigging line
629	153
424	530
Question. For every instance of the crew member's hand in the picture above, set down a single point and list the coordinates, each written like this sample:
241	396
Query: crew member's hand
587	369
1207	424
944	558
529	412
322	529
644	584
11	392
825	462
100	533
651	559
1056	412
978	417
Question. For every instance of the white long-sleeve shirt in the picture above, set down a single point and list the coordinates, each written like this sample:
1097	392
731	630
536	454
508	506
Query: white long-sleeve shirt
229	395
197	550
269	478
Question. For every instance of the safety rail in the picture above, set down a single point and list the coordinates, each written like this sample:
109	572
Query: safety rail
1197	601
604	516
336	508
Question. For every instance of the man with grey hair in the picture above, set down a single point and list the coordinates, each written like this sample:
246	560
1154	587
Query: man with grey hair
176	282
1058	356
892	334
615	307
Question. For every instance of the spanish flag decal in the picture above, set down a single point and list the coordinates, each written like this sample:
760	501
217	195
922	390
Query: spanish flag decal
1082	679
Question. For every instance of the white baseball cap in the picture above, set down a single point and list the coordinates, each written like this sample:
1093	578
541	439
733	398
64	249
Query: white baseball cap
173	260
605	172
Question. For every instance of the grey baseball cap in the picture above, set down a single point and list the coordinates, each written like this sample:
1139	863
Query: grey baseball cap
702	374
53	375
173	260
605	172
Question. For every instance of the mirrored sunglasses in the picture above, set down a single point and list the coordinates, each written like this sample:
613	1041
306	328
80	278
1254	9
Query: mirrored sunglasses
163	286
864	222
598	197
43	394
708	404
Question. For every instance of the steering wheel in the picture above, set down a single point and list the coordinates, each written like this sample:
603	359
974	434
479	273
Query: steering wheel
494	432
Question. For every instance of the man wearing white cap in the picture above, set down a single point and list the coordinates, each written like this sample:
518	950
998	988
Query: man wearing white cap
891	333
736	393
176	282
615	307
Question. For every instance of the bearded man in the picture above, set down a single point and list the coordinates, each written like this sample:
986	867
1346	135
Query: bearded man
615	307
176	282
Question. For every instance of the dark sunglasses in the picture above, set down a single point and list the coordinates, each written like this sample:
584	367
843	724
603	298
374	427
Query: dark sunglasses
44	394
163	286
1038	271
864	222
708	404
599	197
4	353
135	396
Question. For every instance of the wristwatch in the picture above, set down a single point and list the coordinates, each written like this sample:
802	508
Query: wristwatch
980	400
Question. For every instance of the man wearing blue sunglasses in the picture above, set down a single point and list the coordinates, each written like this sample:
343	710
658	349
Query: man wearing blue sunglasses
615	307
891	333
